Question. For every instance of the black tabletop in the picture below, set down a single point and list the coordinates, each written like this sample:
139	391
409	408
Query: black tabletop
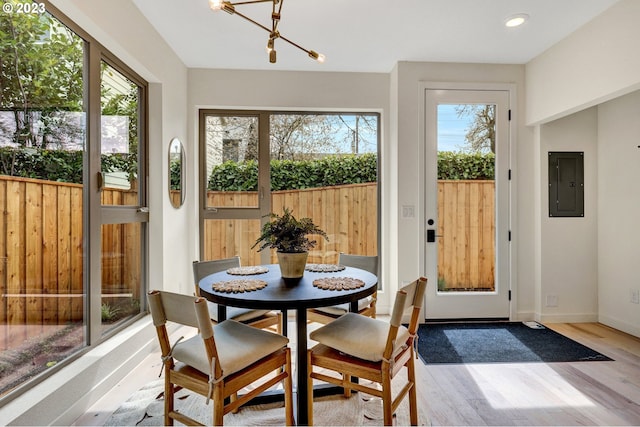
282	294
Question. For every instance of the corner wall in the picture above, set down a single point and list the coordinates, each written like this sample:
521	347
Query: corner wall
120	27
618	212
569	246
598	62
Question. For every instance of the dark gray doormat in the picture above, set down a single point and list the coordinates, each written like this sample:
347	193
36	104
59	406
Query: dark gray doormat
498	342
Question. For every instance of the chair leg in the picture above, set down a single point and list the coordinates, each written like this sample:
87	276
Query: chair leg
413	393
309	389
218	403
346	381
279	327
168	398
288	391
387	399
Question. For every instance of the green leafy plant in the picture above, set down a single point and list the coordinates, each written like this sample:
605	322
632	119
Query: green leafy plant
108	312
288	234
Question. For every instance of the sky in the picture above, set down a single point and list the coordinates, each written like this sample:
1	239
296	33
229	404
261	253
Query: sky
451	129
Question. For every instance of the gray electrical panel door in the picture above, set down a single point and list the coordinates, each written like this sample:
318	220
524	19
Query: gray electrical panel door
566	184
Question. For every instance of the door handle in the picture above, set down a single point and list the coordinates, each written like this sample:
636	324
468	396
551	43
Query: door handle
431	235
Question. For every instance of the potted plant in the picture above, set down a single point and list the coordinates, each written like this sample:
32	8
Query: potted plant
289	236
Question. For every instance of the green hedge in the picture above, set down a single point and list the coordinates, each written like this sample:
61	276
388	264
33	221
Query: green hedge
66	166
465	165
294	175
56	165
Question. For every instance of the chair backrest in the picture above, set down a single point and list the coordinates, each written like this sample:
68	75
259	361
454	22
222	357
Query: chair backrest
204	268
186	310
171	307
364	262
411	295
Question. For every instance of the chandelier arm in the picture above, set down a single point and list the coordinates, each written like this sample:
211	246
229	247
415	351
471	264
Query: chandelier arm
294	44
240	3
267	29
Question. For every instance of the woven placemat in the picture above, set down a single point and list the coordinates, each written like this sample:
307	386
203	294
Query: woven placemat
247	271
239	285
324	268
338	283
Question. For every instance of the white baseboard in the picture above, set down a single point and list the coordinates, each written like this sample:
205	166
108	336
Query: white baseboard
567	318
629	328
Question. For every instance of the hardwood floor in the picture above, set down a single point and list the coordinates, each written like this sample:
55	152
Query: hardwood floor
576	393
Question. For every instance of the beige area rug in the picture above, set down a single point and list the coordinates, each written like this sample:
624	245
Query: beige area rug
146	406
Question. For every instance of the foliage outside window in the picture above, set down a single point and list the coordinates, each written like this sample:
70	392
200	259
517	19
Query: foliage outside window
43	159
323	166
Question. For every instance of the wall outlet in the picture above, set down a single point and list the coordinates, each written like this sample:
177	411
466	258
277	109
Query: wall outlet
634	297
552	300
408	211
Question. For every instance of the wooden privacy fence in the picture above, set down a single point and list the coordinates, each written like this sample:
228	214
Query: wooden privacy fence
41	241
41	255
466	230
347	213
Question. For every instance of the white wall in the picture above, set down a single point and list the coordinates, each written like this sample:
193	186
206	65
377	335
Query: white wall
298	91
407	260
597	63
569	247
619	212
119	26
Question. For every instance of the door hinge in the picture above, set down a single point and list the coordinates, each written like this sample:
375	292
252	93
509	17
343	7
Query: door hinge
509	115
509	235
509	174
509	294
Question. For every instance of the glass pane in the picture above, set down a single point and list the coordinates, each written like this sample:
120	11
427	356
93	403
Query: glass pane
324	166
231	145
121	267
119	137
466	198
42	138
225	238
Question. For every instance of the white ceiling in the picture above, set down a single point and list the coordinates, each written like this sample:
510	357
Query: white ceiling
367	35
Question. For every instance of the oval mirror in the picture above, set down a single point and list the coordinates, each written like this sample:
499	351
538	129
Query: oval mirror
176	173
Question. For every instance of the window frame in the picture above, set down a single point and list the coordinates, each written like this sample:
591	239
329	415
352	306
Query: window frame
264	207
95	215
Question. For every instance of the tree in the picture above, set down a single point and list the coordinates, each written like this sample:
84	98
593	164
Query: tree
41	64
481	136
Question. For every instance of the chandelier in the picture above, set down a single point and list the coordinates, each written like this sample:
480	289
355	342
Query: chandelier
274	34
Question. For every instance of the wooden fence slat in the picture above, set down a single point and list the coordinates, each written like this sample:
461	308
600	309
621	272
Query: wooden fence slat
41	242
49	253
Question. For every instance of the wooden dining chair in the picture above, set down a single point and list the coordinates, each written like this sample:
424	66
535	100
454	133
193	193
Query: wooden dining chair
358	346
366	306
219	360
260	319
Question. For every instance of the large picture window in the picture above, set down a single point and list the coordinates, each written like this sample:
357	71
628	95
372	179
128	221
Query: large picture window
71	140
319	165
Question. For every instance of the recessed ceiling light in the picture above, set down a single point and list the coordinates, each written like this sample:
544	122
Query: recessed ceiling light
516	20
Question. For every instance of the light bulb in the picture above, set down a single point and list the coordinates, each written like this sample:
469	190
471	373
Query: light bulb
215	4
516	20
317	56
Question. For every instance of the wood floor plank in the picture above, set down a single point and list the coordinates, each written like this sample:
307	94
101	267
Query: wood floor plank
572	394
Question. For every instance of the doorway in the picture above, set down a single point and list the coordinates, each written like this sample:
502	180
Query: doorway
467	177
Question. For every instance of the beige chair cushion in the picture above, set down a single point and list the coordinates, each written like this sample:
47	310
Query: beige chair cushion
339	310
235	313
238	346
359	336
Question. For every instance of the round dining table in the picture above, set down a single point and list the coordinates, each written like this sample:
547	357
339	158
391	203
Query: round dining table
290	294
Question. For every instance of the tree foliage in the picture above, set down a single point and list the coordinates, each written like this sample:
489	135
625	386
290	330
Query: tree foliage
40	78
481	135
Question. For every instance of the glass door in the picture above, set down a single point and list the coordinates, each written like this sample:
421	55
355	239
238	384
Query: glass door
467	215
